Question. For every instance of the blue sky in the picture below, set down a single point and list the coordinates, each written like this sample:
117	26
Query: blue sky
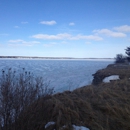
64	28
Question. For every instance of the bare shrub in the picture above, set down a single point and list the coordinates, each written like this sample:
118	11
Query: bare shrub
18	91
128	53
120	58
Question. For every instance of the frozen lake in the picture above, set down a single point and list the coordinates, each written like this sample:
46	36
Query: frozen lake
62	74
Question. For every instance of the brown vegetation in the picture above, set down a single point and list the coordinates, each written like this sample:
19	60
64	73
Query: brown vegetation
17	92
105	106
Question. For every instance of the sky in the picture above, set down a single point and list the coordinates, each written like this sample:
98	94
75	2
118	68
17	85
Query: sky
64	28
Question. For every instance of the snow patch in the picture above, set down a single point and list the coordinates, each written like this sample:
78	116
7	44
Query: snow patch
80	127
112	77
49	124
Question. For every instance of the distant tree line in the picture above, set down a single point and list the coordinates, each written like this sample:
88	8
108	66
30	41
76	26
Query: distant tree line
120	58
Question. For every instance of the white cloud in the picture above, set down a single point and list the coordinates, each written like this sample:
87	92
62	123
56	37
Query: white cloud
110	33
16	26
48	22
24	22
50	44
66	36
86	37
52	37
124	28
19	42
16	41
88	42
72	24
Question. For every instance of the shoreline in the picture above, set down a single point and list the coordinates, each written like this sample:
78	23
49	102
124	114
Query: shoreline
97	106
102	106
35	57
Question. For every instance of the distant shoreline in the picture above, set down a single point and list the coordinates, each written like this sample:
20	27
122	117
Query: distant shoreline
35	57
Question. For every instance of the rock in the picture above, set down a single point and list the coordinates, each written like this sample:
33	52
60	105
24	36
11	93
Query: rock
113	69
98	77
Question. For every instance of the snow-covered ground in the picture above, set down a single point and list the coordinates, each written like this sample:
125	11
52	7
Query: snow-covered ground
112	77
49	124
80	128
74	126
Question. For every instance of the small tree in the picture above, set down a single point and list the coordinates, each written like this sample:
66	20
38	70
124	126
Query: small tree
128	53
120	58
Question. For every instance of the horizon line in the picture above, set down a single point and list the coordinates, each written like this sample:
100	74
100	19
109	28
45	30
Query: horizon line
53	57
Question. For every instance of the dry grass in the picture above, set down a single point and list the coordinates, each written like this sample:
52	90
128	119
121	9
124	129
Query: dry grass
102	107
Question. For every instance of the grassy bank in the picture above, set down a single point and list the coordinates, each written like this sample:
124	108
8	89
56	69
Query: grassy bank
102	107
105	106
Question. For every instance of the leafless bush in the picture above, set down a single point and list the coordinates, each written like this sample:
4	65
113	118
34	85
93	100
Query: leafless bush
120	58
18	91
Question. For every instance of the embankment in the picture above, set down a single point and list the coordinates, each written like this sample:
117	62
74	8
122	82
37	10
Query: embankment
123	70
102	106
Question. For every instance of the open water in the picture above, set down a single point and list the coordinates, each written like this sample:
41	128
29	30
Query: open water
62	74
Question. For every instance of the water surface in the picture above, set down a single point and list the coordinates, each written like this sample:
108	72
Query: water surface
62	74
